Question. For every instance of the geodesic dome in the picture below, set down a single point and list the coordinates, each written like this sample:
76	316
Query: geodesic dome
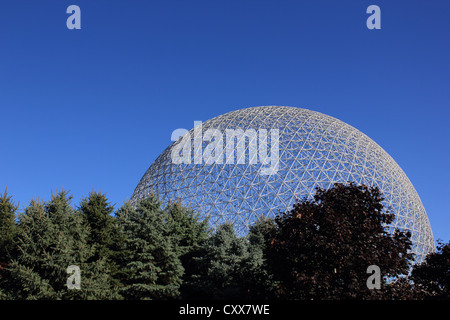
258	161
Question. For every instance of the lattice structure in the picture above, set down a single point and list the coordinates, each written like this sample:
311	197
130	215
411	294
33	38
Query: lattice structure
314	150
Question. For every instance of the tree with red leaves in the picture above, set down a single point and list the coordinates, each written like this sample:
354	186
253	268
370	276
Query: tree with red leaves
432	277
323	247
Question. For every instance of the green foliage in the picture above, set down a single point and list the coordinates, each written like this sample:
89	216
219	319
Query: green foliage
151	262
8	238
8	230
218	266
51	237
157	241
96	212
319	250
187	229
104	235
258	280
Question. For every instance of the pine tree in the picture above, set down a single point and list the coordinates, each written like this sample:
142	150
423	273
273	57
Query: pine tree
154	269
8	233
104	235
218	266
52	237
7	228
97	213
257	279
186	227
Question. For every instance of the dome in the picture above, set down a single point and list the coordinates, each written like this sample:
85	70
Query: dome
258	161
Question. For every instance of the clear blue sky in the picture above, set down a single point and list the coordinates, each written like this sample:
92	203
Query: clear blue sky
91	109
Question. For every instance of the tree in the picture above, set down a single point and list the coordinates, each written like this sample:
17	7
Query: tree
256	277
52	237
96	211
154	269
7	228
188	232
8	235
322	248
432	277
219	262
104	235
186	228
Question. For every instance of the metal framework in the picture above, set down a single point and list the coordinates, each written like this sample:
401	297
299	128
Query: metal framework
314	150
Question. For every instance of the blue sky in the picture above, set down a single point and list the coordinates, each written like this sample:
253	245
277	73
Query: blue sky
91	109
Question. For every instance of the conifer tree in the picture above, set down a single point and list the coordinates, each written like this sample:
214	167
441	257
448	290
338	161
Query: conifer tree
7	228
52	237
154	269
104	235
256	277
218	266
97	211
186	227
188	232
8	233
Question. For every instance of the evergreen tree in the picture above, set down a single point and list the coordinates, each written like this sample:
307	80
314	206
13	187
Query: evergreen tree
218	266
257	279
7	228
52	237
188	232
8	233
104	235
154	269
186	228
97	213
